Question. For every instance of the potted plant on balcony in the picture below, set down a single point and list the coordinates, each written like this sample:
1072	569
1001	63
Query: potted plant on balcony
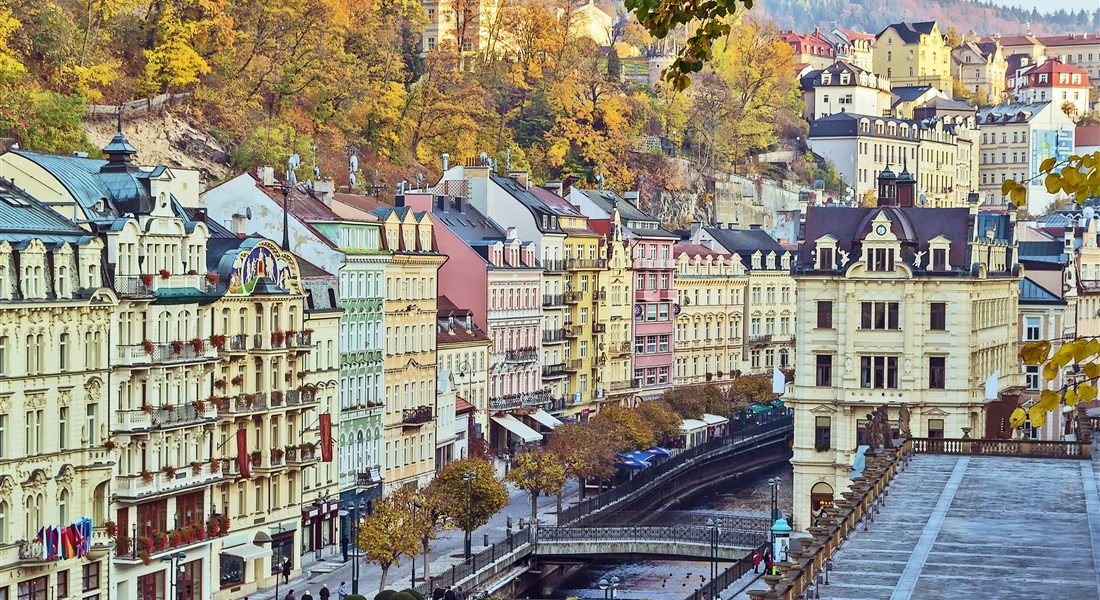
148	347
147	280
110	444
145	544
277	454
256	457
175	537
177	347
307	449
211	278
122	545
213	527
169	470
196	468
238	380
215	464
288	376
165	273
223	524
161	540
277	338
822	446
199	405
111	527
197	344
148	408
219	402
276	398
145	558
219	384
147	476
218	341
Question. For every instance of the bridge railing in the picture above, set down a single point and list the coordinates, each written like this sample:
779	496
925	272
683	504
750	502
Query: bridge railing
729	576
686	517
738	438
477	562
692	534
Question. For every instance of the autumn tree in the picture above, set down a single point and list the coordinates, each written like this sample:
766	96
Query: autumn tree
624	427
584	452
686	402
660	417
750	389
487	494
537	471
389	532
426	516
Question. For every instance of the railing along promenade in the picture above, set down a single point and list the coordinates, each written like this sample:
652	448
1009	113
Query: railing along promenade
742	438
808	556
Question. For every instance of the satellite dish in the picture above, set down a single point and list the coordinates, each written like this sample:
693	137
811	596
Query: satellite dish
248	212
351	178
316	172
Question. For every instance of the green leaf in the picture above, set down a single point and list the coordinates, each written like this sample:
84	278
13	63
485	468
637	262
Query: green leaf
1007	186
1053	183
1048	164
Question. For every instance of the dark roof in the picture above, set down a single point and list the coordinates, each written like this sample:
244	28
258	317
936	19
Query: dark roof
910	32
23	218
949	104
909	93
125	191
536	206
1010	113
745	242
448	332
1052	249
634	219
1033	293
198	215
915	227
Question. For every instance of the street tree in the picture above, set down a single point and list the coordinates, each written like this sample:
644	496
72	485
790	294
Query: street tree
487	494
685	402
584	451
664	422
389	533
625	428
750	389
537	471
426	517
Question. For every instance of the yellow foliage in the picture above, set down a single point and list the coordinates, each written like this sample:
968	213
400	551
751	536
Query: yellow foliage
1017	418
11	68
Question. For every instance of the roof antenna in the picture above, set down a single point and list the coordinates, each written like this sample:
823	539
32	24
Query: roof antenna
119	116
599	180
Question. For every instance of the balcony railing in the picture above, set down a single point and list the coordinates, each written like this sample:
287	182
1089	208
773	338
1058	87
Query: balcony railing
585	263
574	331
522	355
575	364
600	296
574	297
554	265
416	416
553	299
244	404
650	263
555	370
155	483
514	401
364	479
599	328
760	339
553	335
183	351
302	455
619	348
133	286
237	343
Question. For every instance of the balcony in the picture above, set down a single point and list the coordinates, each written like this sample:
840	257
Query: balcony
365	480
574	297
555	370
522	355
181	351
575	364
416	416
619	349
551	336
301	396
553	265
577	264
599	328
300	456
134	286
148	548
237	344
164	417
302	340
243	404
514	401
150	484
600	296
549	300
574	331
668	295
760	339
652	263
601	360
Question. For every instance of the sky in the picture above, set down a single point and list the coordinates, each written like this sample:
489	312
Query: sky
1050	5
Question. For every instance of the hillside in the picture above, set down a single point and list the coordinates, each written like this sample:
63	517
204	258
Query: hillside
874	15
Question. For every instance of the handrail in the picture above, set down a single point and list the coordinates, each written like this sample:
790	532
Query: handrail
729	576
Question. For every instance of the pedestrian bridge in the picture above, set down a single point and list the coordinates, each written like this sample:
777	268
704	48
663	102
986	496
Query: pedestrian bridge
684	541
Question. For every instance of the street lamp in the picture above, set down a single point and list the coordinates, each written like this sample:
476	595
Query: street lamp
715	526
286	222
608	586
774	483
355	510
469	479
174	560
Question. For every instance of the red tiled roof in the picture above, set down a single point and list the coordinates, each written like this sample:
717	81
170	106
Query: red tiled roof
1054	67
1070	39
856	35
462	406
444	333
367	203
695	250
1014	40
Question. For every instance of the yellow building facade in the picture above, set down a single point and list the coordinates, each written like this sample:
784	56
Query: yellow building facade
584	331
710	287
913	54
616	313
410	351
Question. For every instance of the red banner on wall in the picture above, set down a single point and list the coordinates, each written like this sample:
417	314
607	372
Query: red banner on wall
244	462
326	437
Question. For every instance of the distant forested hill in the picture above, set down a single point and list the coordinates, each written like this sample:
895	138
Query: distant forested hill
874	15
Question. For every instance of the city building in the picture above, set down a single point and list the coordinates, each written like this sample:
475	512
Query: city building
962	118
1015	140
981	68
861	146
1086	265
913	308
913	54
844	87
155	411
410	357
616	311
463	349
56	446
769	299
1082	50
464	24
908	98
594	23
1065	86
812	49
653	282
710	289
853	47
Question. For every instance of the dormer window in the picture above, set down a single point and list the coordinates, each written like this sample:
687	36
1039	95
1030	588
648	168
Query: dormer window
845	78
825	258
880	259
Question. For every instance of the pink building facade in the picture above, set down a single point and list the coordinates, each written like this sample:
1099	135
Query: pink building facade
655	311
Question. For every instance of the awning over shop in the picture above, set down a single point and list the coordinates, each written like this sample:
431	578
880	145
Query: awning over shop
634	460
759	408
690	425
545	418
514	425
659	451
247	551
710	419
778	403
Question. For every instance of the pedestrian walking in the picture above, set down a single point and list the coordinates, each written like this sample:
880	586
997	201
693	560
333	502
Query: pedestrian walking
756	561
286	572
449	594
306	595
437	593
324	593
342	591
460	594
289	595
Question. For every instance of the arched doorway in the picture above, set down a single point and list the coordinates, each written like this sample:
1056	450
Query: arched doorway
821	496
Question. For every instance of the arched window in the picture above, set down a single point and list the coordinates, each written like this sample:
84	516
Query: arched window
3	520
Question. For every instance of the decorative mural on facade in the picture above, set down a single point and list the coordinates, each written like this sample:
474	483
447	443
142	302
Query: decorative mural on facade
265	260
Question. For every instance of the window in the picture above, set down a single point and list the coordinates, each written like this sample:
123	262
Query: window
664	312
1031	374
151	586
651	312
939	259
1032	329
62	583
937	318
823	427
63	429
879	372
63	357
639	345
824	369
662	343
90	577
754	359
879	315
826	257
35	589
824	314
881	259
937	372
935	428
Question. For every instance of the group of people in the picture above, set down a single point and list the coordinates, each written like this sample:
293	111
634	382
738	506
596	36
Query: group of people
447	593
323	594
765	558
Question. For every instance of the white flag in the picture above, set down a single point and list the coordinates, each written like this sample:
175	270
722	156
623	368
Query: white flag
778	381
991	386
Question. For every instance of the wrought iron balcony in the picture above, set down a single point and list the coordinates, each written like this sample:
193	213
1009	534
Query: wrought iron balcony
522	355
599	328
514	401
237	343
574	331
416	416
553	299
550	336
555	370
574	264
760	339
302	455
574	297
134	286
600	296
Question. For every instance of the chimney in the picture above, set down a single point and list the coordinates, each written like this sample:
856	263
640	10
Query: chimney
441	203
266	175
1069	240
556	187
458	204
755	227
520	177
399	199
510	233
631	197
731	225
446	161
325	188
238	225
